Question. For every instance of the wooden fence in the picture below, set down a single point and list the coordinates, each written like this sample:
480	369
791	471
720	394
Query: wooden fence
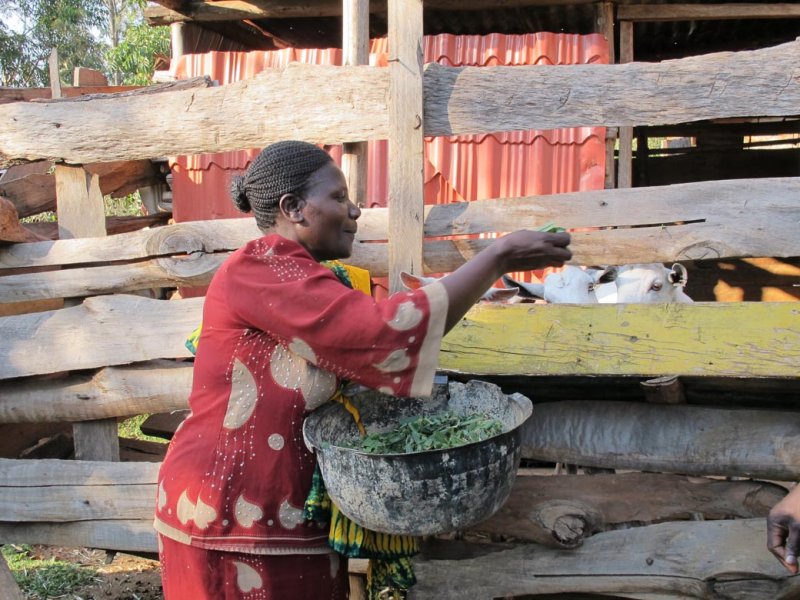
116	355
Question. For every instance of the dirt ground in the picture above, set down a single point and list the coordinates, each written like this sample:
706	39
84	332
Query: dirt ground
125	577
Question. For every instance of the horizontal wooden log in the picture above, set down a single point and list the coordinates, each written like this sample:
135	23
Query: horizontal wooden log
702	12
121	535
562	511
114	225
35	473
683	439
632	339
681	222
235	10
65	503
457	101
151	387
716	559
514	340
195	270
32	187
103	331
17	94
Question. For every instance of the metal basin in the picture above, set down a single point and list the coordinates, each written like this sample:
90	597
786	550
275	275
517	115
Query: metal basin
421	493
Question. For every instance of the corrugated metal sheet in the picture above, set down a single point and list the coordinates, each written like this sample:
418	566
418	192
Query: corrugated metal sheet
457	168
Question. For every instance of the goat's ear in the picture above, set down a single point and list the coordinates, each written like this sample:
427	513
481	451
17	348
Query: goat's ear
531	290
500	294
607	275
678	275
412	282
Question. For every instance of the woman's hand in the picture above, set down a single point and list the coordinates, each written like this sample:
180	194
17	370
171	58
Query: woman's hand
526	250
783	530
519	251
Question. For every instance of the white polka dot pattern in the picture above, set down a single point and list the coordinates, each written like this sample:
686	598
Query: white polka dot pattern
407	317
247	578
246	513
244	394
397	360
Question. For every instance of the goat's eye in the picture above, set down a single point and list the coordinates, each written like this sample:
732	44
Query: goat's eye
591	287
656	286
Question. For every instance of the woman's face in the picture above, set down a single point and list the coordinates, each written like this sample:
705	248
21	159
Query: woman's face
329	223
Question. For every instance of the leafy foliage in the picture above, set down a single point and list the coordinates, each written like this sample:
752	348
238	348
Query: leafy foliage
135	56
108	35
41	26
430	432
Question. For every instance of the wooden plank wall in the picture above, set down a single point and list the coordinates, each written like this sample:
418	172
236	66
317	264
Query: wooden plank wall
74	364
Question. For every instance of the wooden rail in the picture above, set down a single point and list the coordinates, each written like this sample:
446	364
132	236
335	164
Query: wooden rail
457	100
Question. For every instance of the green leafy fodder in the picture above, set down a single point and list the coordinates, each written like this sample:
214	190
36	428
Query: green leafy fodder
550	227
429	432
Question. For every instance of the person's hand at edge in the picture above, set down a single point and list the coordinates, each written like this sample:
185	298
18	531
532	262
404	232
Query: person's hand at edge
783	530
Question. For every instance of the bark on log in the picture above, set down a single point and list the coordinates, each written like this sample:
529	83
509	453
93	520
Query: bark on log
114	225
95	334
458	101
151	387
684	439
682	222
121	535
716	559
562	511
32	187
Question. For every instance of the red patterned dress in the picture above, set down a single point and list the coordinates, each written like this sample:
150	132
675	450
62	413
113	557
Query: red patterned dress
279	332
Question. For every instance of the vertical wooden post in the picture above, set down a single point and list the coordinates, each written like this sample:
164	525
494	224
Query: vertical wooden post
406	181
605	25
625	175
355	51
81	213
55	78
8	584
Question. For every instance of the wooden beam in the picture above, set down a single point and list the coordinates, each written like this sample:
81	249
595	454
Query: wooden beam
55	79
693	440
88	336
564	339
457	100
636	339
563	511
7	581
406	159
605	25
355	51
704	11
697	221
149	387
136	535
220	10
13	94
669	560
81	211
625	160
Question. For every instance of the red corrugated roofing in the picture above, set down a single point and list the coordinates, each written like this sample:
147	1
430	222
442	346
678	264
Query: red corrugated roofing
458	168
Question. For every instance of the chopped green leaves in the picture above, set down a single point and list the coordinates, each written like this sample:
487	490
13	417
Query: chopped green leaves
429	432
550	228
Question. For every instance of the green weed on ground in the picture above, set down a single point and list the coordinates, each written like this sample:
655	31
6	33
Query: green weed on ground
43	579
131	429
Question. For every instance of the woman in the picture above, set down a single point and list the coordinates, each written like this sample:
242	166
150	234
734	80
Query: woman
279	333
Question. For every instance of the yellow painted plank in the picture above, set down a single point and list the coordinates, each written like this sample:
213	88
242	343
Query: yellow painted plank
750	339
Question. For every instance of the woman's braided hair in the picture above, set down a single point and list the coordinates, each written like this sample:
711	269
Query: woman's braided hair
280	168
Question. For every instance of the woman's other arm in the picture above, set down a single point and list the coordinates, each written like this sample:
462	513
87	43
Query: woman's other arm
783	530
